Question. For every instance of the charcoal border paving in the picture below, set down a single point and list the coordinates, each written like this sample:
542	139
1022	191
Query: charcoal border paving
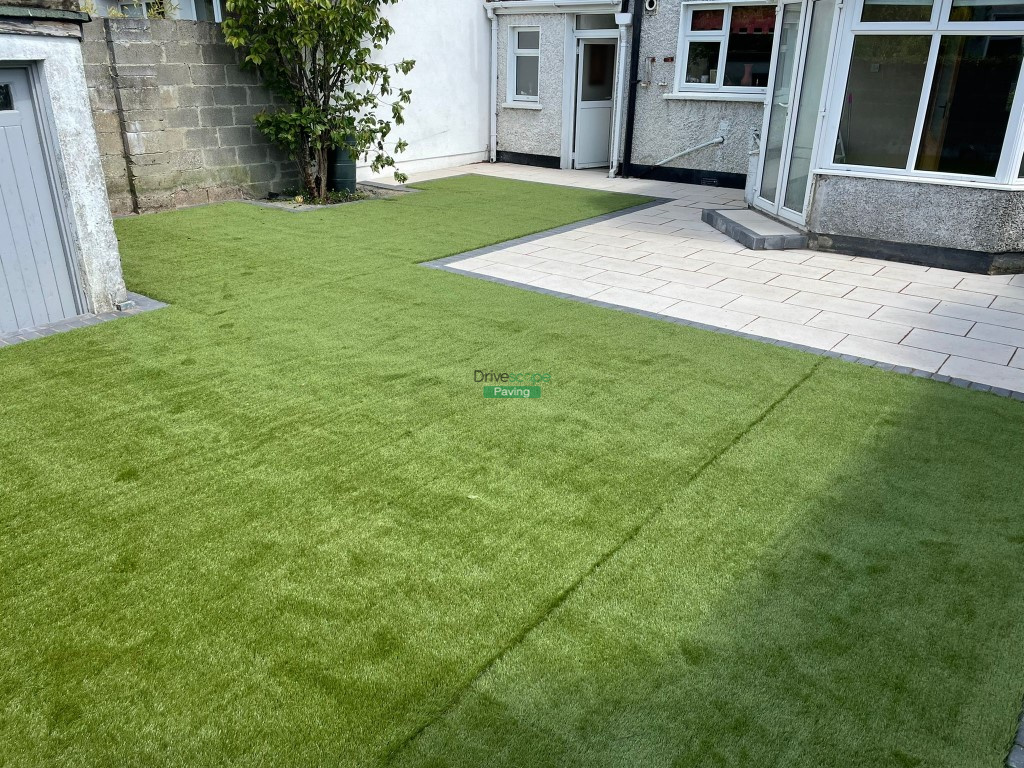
136	304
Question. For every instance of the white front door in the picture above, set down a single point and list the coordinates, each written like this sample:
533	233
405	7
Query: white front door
595	88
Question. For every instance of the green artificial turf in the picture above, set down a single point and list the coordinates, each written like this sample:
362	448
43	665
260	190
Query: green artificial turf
277	523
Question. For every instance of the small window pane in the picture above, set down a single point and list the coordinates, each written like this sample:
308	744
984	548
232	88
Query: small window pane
204	10
897	10
528	40
987	10
970	102
6	99
882	95
1021	175
598	72
702	62
527	75
596	21
133	10
706	21
749	52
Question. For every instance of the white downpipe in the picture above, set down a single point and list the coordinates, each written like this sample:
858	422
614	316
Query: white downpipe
623	20
494	85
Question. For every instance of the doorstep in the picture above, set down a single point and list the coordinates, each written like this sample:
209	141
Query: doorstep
754	230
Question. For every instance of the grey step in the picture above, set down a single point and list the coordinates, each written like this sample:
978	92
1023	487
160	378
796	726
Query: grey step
754	230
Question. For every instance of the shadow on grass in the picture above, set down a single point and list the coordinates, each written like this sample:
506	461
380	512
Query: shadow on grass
841	588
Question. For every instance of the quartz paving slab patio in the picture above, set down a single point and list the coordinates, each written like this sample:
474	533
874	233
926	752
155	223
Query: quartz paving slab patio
663	260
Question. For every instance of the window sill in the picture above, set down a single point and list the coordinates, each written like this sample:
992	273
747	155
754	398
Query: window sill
521	105
754	98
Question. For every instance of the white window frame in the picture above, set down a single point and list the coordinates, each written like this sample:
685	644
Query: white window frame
1008	169
514	52
720	36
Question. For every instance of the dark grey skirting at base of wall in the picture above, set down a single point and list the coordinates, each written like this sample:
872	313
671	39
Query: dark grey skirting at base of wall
689	176
923	255
524	158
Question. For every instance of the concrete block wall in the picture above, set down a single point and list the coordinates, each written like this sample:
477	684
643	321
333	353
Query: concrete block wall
174	114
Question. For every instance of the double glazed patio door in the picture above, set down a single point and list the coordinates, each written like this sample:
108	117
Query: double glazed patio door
800	61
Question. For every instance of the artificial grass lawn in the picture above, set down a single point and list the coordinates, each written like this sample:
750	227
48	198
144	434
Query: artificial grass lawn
277	523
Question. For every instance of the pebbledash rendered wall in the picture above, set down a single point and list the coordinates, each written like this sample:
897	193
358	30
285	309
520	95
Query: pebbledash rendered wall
174	116
663	127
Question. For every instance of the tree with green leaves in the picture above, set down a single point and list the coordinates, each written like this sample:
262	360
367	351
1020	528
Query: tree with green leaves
318	56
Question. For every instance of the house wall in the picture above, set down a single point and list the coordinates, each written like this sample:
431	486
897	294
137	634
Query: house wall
939	215
79	171
447	122
664	127
534	131
174	115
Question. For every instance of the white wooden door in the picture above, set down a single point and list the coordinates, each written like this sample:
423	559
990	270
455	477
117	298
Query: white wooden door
595	89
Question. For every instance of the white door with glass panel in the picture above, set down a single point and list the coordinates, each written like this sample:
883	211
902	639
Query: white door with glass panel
800	60
595	87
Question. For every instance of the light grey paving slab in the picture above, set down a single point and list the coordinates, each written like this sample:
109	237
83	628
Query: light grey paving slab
673	275
675	262
833	304
949	294
860	326
987	286
560	254
984	373
980	314
774	310
1009	305
623	280
707	315
760	290
621	265
567	269
889	299
833	261
508	272
514	259
912	274
959	346
721	257
740	273
790	256
811	286
787	268
865	281
887	352
1018	359
817	338
635	299
1013	337
696	295
616	252
931	322
569	285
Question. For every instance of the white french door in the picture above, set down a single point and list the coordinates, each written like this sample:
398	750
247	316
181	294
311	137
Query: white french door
800	63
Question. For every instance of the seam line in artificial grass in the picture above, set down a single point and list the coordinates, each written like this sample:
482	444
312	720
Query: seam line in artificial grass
574	587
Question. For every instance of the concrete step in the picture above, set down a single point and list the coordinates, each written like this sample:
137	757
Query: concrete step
754	230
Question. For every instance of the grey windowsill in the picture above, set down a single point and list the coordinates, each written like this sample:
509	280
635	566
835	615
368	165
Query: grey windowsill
521	105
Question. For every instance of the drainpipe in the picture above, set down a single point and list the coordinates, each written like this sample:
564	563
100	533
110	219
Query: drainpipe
493	146
634	75
623	20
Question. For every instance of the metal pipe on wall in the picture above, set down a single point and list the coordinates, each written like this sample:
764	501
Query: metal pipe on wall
493	144
623	20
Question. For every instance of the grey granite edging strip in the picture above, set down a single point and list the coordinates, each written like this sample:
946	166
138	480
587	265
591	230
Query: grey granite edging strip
1016	757
448	264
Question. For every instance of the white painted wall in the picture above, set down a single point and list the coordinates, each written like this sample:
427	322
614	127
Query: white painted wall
80	175
447	123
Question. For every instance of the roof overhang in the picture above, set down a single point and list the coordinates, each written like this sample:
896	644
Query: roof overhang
553	6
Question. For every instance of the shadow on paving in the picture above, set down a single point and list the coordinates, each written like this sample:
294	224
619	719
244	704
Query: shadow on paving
842	590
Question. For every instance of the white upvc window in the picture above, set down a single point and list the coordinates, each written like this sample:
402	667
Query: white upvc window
725	48
524	64
930	89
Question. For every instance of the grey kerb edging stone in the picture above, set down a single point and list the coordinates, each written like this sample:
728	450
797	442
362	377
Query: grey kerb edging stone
1016	757
450	264
136	304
